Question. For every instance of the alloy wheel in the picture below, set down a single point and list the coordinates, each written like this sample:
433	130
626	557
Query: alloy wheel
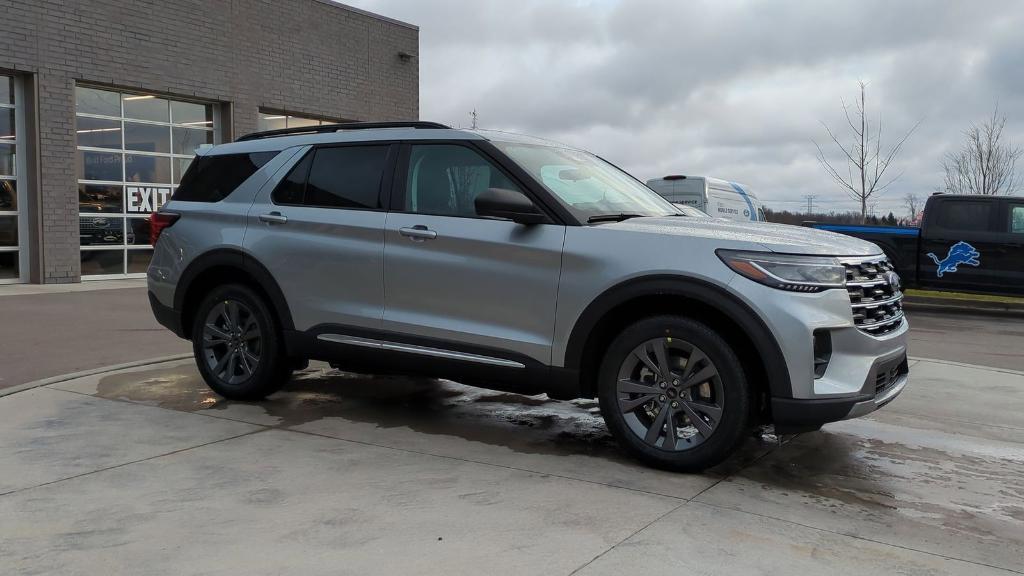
670	394
232	341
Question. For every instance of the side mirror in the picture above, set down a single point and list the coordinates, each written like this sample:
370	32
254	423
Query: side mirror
508	204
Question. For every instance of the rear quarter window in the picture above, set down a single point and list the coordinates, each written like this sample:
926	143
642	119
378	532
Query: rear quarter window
212	178
1017	218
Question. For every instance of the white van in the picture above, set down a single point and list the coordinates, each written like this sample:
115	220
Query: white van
717	198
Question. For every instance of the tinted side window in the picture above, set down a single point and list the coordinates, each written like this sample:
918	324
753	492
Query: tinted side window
292	189
965	215
445	180
346	177
212	178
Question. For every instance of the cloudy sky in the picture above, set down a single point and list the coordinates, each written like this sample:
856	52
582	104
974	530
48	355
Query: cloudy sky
726	88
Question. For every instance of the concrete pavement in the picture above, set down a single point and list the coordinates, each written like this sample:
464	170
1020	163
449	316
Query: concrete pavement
987	340
144	471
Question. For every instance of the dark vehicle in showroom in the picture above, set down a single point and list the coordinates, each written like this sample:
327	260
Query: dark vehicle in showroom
103	230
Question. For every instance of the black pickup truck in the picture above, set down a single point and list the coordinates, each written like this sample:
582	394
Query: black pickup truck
964	244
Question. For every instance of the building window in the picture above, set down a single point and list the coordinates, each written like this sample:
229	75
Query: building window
132	150
10	253
276	121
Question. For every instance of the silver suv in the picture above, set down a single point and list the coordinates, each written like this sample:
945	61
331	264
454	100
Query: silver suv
518	264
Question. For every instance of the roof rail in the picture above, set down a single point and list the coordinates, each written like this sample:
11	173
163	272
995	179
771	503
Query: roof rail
339	127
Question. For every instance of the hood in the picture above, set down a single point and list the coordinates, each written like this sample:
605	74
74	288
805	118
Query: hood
781	238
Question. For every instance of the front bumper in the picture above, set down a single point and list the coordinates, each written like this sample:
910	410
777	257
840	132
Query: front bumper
886	380
860	372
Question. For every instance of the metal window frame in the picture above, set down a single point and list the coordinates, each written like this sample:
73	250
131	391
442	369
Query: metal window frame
289	115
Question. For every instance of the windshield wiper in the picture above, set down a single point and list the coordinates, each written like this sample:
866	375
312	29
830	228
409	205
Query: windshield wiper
612	217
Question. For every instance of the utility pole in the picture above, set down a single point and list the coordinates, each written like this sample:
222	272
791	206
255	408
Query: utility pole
473	116
810	203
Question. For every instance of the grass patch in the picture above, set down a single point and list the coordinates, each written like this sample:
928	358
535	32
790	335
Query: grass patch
965	297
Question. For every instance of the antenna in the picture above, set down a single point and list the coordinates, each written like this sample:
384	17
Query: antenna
473	116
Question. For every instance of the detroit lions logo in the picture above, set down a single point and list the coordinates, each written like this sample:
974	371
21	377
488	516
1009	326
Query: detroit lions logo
959	253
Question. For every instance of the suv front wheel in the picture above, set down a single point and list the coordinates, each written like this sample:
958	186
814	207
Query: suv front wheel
673	393
237	345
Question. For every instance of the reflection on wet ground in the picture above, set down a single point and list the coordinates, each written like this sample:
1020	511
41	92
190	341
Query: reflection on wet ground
866	477
425	405
940	492
524	424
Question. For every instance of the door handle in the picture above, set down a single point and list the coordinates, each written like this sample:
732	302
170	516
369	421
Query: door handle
418	232
273	218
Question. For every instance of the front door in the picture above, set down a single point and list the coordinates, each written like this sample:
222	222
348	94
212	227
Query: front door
460	281
320	233
959	245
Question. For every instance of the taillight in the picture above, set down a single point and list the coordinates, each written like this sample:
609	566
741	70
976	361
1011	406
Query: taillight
158	221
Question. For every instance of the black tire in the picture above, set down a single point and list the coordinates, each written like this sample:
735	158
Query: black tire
726	394
272	369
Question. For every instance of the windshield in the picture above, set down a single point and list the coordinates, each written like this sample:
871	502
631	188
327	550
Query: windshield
588	186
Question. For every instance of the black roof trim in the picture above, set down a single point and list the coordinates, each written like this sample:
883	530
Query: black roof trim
340	127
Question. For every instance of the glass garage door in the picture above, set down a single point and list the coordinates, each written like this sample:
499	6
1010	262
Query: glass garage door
132	151
10	254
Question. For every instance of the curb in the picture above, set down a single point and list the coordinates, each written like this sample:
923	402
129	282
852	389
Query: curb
90	372
957	306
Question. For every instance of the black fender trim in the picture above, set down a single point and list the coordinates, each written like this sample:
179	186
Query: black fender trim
231	258
684	286
166	316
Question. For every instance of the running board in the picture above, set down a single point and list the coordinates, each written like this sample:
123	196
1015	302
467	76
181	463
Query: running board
421	350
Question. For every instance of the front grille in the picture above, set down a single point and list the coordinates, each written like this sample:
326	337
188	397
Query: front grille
875	295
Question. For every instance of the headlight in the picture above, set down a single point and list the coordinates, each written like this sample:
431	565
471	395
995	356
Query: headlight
787	271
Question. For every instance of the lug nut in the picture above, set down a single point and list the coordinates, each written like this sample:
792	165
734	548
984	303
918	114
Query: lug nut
675	404
675	382
662	385
661	398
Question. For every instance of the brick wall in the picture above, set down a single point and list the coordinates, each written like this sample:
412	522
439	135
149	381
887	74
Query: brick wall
311	57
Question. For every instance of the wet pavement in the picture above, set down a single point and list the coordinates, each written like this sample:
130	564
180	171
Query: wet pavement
147	471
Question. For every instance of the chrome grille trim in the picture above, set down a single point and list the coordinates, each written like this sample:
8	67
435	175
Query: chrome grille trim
876	304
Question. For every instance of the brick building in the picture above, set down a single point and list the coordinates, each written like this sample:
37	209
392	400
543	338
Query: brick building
104	102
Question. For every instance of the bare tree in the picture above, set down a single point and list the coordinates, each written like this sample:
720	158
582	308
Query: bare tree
866	163
912	202
986	164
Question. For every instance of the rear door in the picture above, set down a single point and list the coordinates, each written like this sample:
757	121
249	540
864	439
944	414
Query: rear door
728	203
960	244
459	281
320	233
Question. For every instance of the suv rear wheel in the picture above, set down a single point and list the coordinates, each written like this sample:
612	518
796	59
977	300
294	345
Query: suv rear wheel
237	345
673	393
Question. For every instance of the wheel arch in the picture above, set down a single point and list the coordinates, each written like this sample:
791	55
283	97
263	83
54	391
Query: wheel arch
227	266
626	302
